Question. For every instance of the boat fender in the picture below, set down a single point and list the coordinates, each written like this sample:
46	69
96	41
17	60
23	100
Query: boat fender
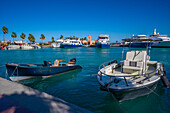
160	72
99	73
165	81
49	62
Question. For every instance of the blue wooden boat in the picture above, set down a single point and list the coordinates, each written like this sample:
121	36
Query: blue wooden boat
46	69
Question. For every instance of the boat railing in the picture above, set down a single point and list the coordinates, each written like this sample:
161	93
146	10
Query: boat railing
105	65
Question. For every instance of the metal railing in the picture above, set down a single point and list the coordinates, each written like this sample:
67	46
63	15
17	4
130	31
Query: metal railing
106	64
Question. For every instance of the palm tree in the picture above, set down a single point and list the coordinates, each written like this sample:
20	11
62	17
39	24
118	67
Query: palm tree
52	39
31	38
61	37
84	38
22	36
42	38
14	35
5	30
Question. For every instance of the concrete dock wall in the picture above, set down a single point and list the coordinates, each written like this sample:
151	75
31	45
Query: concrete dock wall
18	98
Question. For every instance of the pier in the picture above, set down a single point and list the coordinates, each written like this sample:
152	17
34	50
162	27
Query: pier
18	98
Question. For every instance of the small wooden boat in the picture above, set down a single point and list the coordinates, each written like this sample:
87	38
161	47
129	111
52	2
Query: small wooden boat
46	69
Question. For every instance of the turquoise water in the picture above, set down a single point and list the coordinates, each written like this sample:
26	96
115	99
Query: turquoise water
80	87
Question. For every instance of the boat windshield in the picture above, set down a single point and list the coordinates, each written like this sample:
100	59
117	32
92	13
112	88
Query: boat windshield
74	41
103	37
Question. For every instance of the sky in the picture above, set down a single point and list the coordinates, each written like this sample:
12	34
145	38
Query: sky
117	18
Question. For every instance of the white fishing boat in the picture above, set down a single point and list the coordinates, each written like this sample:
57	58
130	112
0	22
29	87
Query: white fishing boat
57	44
136	76
26	46
160	41
13	47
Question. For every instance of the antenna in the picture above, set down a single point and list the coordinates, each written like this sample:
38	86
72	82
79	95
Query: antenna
154	31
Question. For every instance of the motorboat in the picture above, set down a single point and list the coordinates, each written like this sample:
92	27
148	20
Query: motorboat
13	47
103	41
135	76
160	41
26	46
139	41
46	69
35	46
57	44
71	42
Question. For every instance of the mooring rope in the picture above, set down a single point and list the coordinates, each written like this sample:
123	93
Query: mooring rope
152	91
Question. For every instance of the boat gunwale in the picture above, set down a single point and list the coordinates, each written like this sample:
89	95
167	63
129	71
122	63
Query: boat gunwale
40	66
125	73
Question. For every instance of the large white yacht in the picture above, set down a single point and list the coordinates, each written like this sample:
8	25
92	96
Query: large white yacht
139	41
160	40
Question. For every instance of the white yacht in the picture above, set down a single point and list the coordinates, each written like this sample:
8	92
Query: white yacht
139	41
57	44
26	46
136	76
103	41
13	47
71	42
160	40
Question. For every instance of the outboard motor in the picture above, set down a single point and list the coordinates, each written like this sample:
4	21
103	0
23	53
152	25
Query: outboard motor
73	60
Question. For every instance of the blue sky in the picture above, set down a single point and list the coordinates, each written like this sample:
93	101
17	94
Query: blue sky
118	18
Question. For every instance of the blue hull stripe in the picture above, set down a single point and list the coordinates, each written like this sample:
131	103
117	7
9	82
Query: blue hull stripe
103	45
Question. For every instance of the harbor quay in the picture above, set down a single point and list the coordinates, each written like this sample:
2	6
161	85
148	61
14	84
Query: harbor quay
18	98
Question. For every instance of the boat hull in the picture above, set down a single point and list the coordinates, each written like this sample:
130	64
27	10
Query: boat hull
38	71
27	47
131	93
69	46
161	44
99	45
140	44
56	45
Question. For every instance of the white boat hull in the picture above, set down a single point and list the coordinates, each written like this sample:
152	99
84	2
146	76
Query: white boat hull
161	44
54	45
26	47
